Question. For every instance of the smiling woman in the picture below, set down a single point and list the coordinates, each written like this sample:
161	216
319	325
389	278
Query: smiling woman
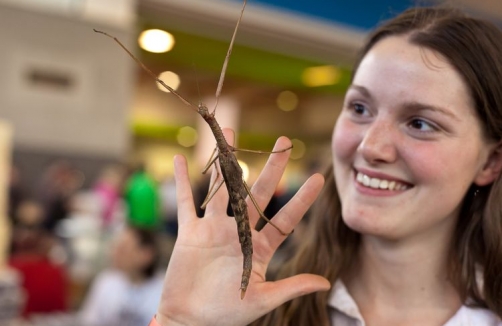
408	229
406	131
422	119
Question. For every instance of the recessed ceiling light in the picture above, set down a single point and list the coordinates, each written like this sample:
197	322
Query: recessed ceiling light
171	79
156	41
321	76
187	136
298	150
287	101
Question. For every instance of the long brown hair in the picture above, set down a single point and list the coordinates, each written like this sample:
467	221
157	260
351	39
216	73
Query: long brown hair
474	48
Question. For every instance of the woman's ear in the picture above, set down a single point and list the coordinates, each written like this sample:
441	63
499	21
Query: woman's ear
492	169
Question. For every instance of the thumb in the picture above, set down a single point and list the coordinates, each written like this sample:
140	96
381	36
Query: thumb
296	286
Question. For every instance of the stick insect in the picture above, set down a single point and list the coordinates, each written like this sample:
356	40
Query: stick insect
231	172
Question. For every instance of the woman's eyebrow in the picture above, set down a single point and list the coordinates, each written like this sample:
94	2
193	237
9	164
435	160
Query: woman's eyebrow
417	106
413	105
361	89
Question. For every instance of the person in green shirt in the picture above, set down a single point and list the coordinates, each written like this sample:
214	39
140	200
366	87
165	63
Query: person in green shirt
142	199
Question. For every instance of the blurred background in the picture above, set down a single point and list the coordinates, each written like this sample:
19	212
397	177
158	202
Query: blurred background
87	137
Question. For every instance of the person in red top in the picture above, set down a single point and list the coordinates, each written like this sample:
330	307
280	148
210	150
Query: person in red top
44	282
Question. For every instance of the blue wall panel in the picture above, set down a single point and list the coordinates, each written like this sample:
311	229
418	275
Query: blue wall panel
359	14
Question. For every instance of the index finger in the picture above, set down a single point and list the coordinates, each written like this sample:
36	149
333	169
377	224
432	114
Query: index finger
184	196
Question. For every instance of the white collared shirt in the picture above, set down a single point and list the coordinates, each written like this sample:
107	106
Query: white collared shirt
344	312
114	301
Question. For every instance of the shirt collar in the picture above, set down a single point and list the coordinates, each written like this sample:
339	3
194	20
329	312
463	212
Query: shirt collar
341	300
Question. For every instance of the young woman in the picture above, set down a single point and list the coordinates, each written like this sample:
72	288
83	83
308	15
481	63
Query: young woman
410	233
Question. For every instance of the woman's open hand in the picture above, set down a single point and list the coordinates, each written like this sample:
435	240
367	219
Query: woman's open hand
202	284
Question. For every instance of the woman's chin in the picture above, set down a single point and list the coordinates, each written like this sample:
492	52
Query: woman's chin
370	225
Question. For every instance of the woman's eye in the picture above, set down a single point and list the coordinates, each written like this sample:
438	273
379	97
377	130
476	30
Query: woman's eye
359	109
422	125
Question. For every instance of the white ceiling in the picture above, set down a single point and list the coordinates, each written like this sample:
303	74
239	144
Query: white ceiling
265	29
117	13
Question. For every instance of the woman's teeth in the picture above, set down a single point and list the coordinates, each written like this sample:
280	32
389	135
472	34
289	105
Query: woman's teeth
379	183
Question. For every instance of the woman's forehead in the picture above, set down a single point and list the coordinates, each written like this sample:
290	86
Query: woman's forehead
396	67
399	52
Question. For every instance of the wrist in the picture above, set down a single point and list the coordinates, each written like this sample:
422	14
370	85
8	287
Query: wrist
160	320
154	321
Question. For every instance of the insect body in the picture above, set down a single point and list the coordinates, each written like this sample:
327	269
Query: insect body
231	172
232	175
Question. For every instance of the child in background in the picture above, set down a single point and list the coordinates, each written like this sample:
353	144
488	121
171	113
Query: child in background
127	293
44	281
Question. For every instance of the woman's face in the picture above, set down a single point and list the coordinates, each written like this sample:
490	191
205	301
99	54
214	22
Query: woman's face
407	144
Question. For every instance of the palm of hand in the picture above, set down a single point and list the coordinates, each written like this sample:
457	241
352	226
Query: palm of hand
202	285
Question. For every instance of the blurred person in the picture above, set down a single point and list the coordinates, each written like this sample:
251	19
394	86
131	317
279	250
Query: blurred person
167	193
29	212
45	282
109	188
141	195
126	294
16	192
94	215
12	297
83	237
59	183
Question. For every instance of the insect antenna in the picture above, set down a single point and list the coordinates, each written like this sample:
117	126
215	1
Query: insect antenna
197	81
145	68
227	58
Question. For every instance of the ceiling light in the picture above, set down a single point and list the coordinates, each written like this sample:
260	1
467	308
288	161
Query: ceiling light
287	101
187	136
156	41
171	79
298	150
321	76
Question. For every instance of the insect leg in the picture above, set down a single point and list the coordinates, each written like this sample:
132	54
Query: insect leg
212	191
212	159
216	185
234	149
255	204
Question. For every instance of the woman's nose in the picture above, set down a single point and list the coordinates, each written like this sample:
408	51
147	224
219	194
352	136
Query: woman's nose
379	143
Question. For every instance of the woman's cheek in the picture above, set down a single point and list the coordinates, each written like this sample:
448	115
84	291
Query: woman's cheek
345	139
